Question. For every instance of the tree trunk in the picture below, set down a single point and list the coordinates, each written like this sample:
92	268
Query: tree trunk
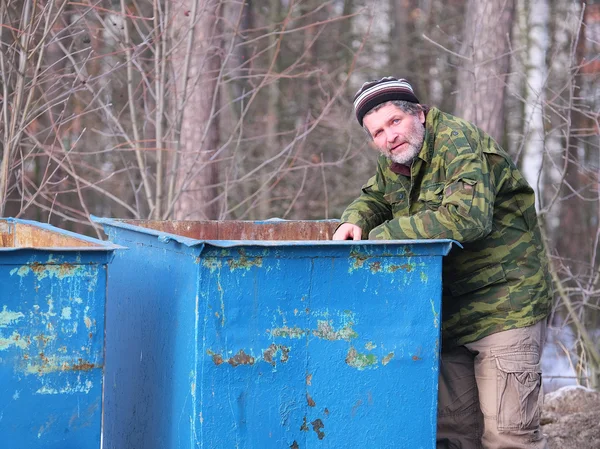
537	73
483	71
197	63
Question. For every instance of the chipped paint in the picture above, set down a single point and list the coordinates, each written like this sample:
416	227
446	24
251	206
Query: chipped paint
326	331
370	346
241	358
304	426
310	401
287	332
271	352
49	269
66	313
43	364
243	262
424	277
8	317
408	267
375	267
79	387
360	361
14	340
357	260
436	315
387	359
212	263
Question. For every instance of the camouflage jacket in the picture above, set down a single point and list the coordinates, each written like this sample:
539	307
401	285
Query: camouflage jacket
463	186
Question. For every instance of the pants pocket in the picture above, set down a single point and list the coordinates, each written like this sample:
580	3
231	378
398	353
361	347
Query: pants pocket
519	390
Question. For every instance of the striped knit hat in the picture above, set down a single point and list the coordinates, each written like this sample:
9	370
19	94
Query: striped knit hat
376	92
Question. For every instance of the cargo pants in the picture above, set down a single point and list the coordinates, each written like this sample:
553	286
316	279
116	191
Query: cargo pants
490	392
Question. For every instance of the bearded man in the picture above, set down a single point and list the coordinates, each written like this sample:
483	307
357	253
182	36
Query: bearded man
440	177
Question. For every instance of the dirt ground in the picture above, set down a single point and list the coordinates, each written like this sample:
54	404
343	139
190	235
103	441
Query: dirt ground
571	418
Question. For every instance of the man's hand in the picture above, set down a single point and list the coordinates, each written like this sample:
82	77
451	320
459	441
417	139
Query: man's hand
348	231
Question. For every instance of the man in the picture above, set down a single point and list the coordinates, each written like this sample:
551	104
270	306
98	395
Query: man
440	177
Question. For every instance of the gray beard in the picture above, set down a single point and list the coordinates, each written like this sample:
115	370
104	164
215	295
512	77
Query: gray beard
406	158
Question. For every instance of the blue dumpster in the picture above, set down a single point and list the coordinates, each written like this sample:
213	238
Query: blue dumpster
52	298
261	335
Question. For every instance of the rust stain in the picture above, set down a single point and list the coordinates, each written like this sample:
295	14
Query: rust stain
66	269
359	261
217	359
317	425
417	355
50	365
43	270
241	358
271	352
309	379
375	267
408	252
294	445
82	366
244	262
326	411
304	426
310	401
42	339
406	267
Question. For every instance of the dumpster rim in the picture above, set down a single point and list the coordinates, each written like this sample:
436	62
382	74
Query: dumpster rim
100	245
165	237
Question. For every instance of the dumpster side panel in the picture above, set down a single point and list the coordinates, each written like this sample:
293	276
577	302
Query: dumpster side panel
51	350
252	366
334	348
150	343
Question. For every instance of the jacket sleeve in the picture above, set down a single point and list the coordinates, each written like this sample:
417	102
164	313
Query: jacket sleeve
370	209
465	213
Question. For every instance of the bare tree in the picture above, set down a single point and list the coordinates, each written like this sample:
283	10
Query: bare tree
484	65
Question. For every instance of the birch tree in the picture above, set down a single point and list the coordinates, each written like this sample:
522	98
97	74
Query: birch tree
536	78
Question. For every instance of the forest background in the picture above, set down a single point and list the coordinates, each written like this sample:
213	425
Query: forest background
242	110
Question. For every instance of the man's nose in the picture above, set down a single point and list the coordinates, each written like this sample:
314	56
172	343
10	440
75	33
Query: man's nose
390	135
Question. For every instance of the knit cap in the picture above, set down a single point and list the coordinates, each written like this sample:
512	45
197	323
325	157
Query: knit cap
376	92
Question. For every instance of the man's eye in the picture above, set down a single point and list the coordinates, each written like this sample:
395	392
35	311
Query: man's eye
396	121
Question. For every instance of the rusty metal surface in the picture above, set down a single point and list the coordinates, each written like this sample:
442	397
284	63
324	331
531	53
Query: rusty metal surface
243	230
295	344
51	336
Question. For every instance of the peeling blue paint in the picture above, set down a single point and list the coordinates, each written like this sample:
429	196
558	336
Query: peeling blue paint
51	347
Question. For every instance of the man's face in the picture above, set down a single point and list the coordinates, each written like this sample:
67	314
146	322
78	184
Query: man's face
398	135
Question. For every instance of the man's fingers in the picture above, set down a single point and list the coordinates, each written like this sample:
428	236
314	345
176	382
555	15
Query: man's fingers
348	231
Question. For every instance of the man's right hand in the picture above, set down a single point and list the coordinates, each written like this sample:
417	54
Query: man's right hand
348	231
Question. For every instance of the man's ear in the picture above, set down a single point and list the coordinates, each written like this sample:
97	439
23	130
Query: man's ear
422	117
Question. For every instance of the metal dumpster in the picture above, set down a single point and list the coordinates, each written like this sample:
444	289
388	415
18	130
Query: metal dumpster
260	335
52	298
